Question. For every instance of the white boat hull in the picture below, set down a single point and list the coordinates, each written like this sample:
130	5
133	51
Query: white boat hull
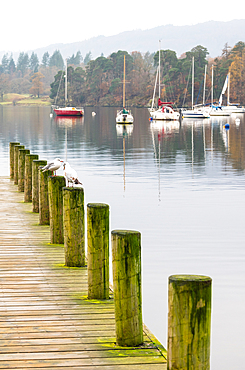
167	115
124	117
195	113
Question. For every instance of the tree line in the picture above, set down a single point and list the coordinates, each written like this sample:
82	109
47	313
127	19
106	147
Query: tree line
99	81
29	76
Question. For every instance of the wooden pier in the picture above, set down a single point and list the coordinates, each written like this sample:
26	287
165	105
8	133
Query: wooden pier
46	319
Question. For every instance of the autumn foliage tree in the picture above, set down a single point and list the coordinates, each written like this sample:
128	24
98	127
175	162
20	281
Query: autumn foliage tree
37	84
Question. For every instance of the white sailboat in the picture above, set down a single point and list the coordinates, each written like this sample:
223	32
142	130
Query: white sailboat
194	112
165	110
124	115
215	110
229	108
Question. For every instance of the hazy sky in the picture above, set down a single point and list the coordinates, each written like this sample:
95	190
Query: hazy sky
28	24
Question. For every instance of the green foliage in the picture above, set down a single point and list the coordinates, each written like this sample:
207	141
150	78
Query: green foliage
87	58
45	60
23	63
75	60
99	81
56	60
34	62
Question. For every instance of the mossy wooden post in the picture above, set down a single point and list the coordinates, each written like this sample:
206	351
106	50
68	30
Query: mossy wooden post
55	185
21	168
189	322
35	183
126	264
11	158
28	177
43	196
74	226
16	162
98	250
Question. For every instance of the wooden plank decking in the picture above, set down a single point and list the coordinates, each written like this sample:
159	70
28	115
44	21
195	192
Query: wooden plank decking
46	321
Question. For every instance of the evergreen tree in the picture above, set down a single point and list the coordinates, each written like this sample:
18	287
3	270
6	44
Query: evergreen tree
45	60
34	62
88	58
5	63
23	63
11	66
56	60
75	60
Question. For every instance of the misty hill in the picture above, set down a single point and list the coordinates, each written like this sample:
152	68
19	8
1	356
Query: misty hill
213	35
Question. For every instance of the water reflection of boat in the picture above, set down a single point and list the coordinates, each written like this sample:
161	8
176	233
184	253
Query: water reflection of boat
166	127
68	121
124	129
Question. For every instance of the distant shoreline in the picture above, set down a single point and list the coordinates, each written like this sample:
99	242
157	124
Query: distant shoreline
25	100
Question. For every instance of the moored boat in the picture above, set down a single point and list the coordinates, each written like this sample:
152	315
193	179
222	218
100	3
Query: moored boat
69	111
124	115
165	111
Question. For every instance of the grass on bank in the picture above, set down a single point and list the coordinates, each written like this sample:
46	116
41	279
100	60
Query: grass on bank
24	99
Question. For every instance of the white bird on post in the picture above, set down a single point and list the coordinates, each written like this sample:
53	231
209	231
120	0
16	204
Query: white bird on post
70	175
52	166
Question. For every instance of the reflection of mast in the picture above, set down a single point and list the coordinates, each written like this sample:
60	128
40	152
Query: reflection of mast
124	131
124	167
204	144
66	143
192	146
157	158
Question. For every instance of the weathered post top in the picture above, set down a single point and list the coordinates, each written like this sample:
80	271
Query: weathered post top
74	226
28	177
126	263
11	157
21	168
55	186
189	322
16	162
98	250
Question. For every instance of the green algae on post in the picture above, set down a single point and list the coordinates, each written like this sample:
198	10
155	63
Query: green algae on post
35	183
74	226
55	185
43	196
16	162
21	168
126	264
189	322
28	177
11	158
98	250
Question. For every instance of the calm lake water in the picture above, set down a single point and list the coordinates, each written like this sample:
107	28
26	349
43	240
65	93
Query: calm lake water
182	186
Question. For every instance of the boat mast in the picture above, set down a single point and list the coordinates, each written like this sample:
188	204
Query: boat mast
228	89
159	69
212	86
153	99
66	85
124	83
192	94
204	85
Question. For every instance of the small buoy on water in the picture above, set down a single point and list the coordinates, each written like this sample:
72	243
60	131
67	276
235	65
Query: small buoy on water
150	119
51	115
226	126
93	114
